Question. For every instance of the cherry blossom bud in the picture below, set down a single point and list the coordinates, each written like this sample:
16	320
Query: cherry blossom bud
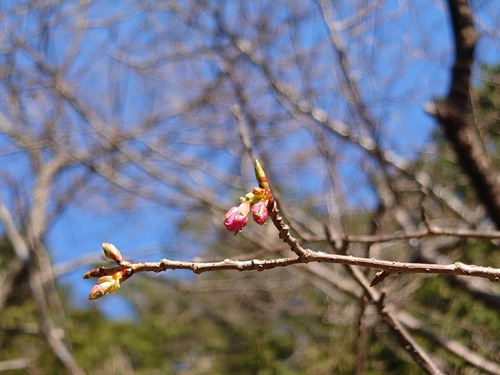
236	217
105	285
259	212
112	253
109	284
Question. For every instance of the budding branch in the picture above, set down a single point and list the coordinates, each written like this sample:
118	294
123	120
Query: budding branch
458	268
236	220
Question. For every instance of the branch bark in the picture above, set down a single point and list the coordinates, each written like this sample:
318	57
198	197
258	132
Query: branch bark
389	267
455	113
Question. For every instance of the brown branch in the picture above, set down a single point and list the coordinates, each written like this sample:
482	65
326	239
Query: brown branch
284	231
307	256
412	323
406	340
450	345
480	291
419	355
303	256
455	113
426	232
398	320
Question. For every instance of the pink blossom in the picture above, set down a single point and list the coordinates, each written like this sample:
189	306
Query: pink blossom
259	212
236	217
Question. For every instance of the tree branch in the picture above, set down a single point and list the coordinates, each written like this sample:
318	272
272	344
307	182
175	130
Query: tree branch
429	231
450	345
409	321
455	113
420	356
308	256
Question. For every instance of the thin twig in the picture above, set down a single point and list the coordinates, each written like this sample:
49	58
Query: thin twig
429	231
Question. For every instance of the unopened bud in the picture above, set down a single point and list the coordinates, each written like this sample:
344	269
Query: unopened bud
260	176
109	284
105	285
236	217
259	212
112	253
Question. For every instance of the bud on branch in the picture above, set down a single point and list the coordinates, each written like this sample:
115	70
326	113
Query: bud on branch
256	201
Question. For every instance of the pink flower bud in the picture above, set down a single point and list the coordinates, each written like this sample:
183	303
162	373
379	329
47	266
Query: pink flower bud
259	212
105	285
109	284
236	217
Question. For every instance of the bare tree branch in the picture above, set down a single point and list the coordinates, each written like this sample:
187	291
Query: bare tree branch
404	318
303	256
431	231
452	346
407	342
15	364
455	113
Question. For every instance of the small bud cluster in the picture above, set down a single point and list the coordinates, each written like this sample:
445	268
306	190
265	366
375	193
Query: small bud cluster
110	283
256	201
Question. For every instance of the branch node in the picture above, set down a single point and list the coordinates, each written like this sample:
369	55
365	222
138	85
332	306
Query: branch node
196	269
379	277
